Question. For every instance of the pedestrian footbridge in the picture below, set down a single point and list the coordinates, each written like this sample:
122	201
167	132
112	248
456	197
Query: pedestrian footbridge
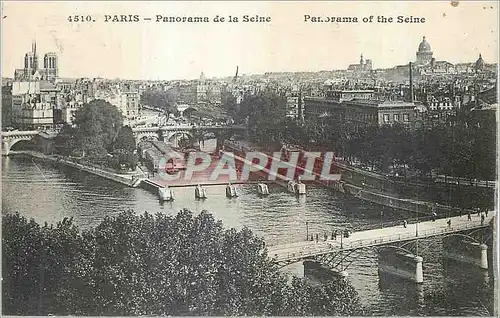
456	233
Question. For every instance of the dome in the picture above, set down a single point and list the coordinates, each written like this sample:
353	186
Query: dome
480	63
424	46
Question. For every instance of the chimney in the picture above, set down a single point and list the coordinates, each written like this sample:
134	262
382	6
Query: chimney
411	84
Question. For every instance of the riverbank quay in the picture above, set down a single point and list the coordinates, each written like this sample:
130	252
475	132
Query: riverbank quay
371	187
132	179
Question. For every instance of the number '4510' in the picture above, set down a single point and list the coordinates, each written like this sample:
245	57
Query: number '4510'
80	18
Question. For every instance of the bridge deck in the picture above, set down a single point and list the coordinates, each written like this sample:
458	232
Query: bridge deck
301	250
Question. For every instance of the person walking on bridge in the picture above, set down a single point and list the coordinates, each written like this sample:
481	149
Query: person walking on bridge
449	223
482	219
469	217
317	237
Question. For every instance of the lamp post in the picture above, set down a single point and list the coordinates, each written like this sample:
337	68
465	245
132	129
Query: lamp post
341	240
307	231
416	227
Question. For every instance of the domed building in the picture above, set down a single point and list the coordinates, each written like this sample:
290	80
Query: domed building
479	64
424	53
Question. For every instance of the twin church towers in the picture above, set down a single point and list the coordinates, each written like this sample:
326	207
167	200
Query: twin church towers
31	70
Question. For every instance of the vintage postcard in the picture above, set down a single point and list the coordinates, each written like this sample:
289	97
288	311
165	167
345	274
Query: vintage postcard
249	158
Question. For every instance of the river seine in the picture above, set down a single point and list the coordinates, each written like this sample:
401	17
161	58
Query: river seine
48	193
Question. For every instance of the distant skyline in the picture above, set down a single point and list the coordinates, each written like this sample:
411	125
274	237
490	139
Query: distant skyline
150	51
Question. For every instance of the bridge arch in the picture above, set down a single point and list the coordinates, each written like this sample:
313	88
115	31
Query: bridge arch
209	135
20	142
148	135
148	138
176	136
9	142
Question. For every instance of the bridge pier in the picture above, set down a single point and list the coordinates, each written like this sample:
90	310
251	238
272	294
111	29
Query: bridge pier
459	249
316	270
400	264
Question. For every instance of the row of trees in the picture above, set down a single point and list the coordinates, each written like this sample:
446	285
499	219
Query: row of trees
164	100
153	265
98	135
6	106
264	113
463	149
462	146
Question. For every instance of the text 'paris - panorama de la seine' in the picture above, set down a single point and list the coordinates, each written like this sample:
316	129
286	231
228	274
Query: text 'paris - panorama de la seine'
123	18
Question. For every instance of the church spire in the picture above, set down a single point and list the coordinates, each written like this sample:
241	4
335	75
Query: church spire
33	47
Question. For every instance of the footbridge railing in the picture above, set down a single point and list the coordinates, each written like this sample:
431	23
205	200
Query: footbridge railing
289	253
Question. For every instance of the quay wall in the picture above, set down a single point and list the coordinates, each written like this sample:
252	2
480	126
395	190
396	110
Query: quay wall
460	194
129	181
381	189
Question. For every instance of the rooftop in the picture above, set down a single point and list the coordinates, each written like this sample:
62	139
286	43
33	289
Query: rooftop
378	103
47	86
353	91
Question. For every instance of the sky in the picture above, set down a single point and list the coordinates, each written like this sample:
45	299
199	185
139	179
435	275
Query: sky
457	32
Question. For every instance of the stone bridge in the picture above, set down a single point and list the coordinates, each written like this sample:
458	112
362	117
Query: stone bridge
173	133
10	138
165	133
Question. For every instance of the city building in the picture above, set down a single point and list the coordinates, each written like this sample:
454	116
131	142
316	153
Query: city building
364	113
188	93
127	102
440	103
321	107
331	104
31	70
346	95
363	66
33	104
50	71
443	67
480	65
68	113
424	53
294	103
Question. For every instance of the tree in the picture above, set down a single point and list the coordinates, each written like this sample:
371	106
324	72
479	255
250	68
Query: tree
125	139
123	158
229	104
38	263
265	111
65	142
153	265
6	106
164	100
97	126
